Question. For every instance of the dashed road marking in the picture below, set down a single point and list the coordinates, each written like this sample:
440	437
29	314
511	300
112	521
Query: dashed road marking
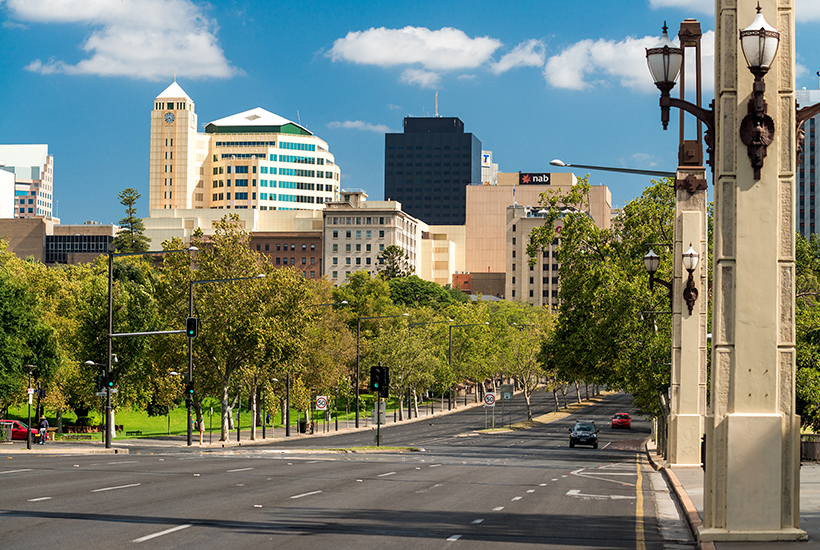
39	499
515	498
477	521
454	538
15	471
387	474
306	494
239	470
117	487
498	508
167	531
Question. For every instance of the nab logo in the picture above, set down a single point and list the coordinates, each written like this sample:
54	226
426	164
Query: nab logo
526	178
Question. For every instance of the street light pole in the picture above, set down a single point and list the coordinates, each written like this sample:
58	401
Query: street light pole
657	173
358	338
28	432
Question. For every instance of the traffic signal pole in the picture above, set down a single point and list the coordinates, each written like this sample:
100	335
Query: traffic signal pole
189	398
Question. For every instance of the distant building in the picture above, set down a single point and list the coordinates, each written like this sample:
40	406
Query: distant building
538	284
489	169
356	232
46	241
806	218
254	160
428	167
299	249
33	170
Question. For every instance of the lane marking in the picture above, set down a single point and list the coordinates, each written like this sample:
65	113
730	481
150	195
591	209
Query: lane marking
498	508
639	530
112	488
167	531
239	470
306	494
515	498
530	490
387	474
125	462
39	499
477	521
543	484
15	471
577	493
453	538
435	465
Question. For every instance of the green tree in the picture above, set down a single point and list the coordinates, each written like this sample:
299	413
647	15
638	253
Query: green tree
413	291
393	262
131	237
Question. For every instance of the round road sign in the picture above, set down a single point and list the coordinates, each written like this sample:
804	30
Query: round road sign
321	403
489	399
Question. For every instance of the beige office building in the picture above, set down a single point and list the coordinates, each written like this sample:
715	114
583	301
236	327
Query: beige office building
254	160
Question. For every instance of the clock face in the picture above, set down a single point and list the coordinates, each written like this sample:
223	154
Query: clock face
169	117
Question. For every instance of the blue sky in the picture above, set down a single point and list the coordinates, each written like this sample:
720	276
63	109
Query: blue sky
533	80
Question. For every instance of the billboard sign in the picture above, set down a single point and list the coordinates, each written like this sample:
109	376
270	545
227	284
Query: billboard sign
525	178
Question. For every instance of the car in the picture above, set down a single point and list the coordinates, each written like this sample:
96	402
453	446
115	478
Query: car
583	432
621	420
18	429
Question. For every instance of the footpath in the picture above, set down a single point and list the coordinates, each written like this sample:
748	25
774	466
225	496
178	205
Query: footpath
686	484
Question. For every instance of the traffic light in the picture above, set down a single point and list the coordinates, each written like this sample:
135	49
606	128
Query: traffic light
380	380
100	382
189	389
191	327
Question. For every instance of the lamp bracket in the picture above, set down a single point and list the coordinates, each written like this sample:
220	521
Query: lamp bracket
690	293
757	130
802	116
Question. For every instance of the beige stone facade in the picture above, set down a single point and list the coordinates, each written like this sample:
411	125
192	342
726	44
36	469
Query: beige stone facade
442	253
537	284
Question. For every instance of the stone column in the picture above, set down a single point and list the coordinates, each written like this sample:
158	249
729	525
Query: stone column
688	381
751	483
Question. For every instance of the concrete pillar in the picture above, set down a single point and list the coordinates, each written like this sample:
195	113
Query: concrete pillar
751	483
688	381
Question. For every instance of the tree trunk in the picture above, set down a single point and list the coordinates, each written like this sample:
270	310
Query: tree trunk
401	406
169	419
416	402
564	395
60	421
578	391
254	405
227	412
198	409
282	405
260	416
555	396
527	395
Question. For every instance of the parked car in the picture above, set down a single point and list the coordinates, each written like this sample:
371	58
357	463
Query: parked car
18	429
583	433
621	420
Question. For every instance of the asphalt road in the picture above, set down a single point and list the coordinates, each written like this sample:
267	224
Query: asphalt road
466	489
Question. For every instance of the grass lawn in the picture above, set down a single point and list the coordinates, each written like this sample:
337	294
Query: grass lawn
155	426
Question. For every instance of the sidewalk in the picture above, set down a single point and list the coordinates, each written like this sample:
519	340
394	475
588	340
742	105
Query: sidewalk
687	486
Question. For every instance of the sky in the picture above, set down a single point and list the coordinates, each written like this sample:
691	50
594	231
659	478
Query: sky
533	80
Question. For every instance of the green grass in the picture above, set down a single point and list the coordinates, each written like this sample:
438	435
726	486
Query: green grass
156	426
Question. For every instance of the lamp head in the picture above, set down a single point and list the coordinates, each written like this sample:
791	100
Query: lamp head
759	42
664	61
651	261
558	162
690	259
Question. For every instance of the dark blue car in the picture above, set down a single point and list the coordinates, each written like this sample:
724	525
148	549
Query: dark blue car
583	433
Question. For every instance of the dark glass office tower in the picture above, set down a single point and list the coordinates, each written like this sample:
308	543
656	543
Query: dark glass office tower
429	166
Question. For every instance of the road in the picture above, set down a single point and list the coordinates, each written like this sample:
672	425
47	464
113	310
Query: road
464	490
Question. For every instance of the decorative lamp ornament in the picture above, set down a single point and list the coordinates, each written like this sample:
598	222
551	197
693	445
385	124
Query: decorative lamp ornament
651	261
664	60
759	42
690	259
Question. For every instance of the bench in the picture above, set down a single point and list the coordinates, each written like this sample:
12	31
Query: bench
134	432
77	436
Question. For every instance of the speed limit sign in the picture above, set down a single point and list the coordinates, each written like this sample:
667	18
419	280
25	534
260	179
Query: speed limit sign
321	403
489	399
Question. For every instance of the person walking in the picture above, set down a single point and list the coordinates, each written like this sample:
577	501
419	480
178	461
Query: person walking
43	430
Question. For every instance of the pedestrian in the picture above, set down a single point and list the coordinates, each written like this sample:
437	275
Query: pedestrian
43	430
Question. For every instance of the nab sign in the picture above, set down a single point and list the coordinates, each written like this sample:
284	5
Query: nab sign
533	179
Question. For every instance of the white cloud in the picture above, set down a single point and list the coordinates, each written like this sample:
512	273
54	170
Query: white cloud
527	54
13	25
643	160
425	79
700	6
442	50
145	39
598	62
360	125
806	11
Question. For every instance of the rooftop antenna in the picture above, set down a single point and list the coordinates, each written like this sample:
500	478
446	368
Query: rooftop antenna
298	119
436	104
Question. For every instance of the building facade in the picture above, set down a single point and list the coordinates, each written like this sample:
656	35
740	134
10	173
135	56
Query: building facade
33	170
46	241
537	284
254	160
301	250
428	167
806	167
357	231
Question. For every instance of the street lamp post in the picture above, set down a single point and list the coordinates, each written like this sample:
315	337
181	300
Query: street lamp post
657	173
450	357
358	338
28	432
189	396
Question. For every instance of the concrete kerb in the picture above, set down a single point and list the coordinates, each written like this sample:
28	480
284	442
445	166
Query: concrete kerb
693	519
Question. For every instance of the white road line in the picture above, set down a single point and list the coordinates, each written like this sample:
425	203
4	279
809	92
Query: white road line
477	521
387	474
453	538
577	493
125	462
435	465
530	490
167	531
112	488
15	471
498	508
543	484
607	445
515	498
39	499
306	494
239	470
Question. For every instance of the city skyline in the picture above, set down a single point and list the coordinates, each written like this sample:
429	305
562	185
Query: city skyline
534	82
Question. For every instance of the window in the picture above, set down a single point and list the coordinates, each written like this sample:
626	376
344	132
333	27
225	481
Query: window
532	280
285	261
530	293
358	261
347	261
335	234
312	262
381	233
267	247
277	261
335	274
347	234
513	240
513	280
358	232
312	247
304	247
367	261
368	233
277	247
304	260
335	247
335	261
259	248
513	253
513	267
312	274
358	248
347	248
367	247
513	228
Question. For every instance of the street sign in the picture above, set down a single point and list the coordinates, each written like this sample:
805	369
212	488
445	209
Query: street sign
321	402
506	392
30	391
489	399
100	394
113	390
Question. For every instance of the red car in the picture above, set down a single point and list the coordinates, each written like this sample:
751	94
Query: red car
621	420
18	429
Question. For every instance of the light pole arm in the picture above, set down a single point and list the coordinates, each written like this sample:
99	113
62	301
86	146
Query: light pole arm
707	116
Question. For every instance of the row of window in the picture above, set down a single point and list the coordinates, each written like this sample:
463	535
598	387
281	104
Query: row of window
358	261
170	105
544	294
358	248
280	247
246	144
348	234
544	280
357	220
297	146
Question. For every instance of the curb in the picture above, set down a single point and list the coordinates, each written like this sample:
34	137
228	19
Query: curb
693	519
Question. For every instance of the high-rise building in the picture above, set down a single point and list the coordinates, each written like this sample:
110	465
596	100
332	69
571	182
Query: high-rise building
806	174
429	166
251	160
33	170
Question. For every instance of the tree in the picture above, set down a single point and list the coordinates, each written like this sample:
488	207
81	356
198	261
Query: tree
393	262
413	291
131	237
